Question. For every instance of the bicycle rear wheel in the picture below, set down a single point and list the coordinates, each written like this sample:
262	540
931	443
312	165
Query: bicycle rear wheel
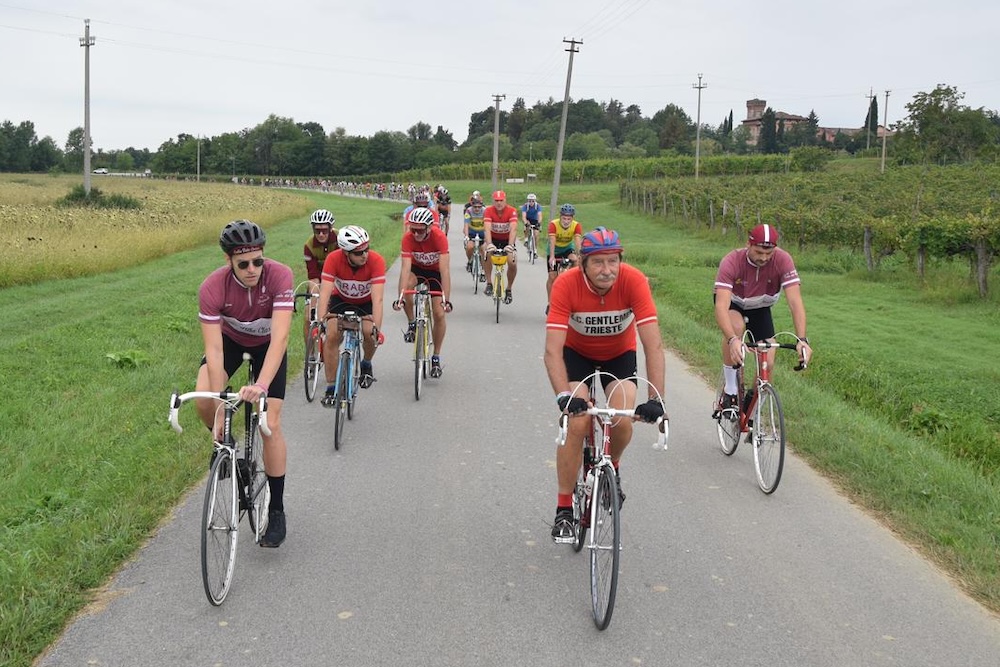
259	489
605	545
728	426
419	351
219	522
340	413
768	439
312	364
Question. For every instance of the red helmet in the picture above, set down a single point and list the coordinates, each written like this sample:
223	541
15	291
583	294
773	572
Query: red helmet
766	236
600	241
499	194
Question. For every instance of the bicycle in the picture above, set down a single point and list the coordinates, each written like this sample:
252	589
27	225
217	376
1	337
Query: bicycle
498	259
423	318
597	480
477	266
530	243
228	496
313	361
348	378
757	413
445	220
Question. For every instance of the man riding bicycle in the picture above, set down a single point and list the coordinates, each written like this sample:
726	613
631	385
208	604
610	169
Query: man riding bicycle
424	256
353	279
597	309
531	216
748	283
474	228
322	242
565	235
422	199
500	221
443	200
246	307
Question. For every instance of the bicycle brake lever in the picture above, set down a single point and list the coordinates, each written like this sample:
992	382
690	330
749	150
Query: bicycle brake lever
663	426
262	424
561	438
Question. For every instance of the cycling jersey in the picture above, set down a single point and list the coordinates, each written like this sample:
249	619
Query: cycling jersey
565	237
353	284
475	220
601	327
503	224
245	313
315	253
752	286
425	254
533	212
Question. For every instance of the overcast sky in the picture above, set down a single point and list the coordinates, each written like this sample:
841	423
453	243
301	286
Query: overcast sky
160	68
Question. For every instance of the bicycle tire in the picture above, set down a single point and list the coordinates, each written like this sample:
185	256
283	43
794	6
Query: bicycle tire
219	524
768	439
340	410
605	545
498	293
529	244
477	268
355	380
728	428
312	364
259	491
419	351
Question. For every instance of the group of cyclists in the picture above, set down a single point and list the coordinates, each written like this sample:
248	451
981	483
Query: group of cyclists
599	308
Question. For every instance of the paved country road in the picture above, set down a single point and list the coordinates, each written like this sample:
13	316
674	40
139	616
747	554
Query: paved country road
425	541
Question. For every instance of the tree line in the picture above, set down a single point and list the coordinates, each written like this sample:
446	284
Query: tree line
938	129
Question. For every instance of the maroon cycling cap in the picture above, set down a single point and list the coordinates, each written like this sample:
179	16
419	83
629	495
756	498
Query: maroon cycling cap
766	236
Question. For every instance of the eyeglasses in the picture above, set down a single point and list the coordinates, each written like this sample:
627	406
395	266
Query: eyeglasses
358	253
321	231
243	265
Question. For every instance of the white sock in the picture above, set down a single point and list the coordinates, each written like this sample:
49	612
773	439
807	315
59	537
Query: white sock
729	373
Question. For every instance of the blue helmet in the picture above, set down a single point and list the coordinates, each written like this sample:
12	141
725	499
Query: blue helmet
600	241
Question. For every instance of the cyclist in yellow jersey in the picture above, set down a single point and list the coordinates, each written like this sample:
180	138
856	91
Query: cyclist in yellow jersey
565	236
474	227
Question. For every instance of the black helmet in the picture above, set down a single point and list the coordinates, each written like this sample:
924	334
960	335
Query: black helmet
241	234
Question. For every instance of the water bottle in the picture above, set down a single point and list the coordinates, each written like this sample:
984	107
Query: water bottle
588	484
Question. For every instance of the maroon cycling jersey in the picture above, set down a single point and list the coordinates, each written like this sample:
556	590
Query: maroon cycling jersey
315	253
752	286
245	313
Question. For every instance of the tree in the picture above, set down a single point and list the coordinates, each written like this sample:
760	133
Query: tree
871	120
420	133
939	128
45	155
444	139
517	121
674	128
767	141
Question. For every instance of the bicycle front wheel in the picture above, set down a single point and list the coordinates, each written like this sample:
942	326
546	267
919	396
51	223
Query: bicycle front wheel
259	490
498	293
605	545
340	413
419	351
728	426
219	522
355	382
476	270
768	439
311	372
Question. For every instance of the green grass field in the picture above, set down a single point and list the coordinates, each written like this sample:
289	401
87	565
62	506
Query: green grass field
900	408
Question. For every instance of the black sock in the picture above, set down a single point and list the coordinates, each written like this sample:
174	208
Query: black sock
277	485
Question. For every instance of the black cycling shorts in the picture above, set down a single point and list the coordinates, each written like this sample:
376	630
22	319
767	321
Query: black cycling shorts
232	359
578	367
758	321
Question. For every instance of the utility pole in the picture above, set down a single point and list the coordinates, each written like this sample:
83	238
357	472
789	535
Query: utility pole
885	128
697	131
86	42
868	122
496	137
554	203
198	167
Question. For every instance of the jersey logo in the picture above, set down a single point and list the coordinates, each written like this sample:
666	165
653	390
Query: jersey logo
603	323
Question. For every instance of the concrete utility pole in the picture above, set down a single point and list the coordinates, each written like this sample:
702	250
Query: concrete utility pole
697	131
198	167
885	128
868	124
86	42
554	203
496	137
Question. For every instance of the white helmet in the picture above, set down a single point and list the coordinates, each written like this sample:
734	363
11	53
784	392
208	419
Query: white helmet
420	216
532	197
352	237
322	217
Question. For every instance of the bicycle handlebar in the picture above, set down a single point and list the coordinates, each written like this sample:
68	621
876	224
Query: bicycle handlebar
176	400
662	424
769	345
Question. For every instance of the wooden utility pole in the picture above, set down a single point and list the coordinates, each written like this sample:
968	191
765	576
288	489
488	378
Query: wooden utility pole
496	137
554	203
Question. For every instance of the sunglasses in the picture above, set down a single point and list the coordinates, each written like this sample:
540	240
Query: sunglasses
358	253
243	265
321	231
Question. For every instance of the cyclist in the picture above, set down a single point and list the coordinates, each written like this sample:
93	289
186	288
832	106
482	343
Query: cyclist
353	279
500	222
565	235
322	242
748	283
597	309
476	194
531	216
424	256
443	200
473	229
246	306
421	200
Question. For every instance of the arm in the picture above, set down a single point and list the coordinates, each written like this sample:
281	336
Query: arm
555	340
652	349
325	292
212	336
281	324
378	298
794	295
404	273
723	299
445	276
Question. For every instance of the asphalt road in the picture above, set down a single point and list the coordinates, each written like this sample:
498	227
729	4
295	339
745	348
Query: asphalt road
425	541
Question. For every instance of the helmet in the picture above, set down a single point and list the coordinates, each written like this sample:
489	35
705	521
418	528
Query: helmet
321	217
499	194
420	216
477	193
567	209
421	199
477	200
600	241
532	197
766	236
352	237
241	236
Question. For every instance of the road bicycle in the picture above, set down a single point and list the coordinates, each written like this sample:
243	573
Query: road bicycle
313	362
423	319
228	496
531	244
498	261
445	220
348	378
478	276
757	413
596	497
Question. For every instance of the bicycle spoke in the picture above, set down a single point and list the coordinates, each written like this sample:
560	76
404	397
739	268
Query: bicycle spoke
219	522
605	546
340	409
728	427
768	439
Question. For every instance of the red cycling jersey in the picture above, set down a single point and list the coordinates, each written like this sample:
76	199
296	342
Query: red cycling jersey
502	224
756	287
600	327
245	313
426	254
354	284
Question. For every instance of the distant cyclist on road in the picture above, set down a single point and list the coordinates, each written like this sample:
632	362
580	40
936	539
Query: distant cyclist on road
353	279
322	242
473	228
531	216
246	307
443	200
422	199
748	283
565	235
500	221
597	310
